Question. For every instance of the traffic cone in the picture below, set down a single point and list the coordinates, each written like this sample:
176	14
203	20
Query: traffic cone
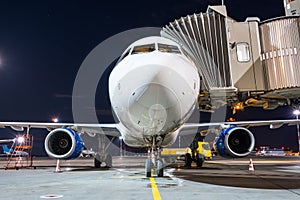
19	161
57	166
251	167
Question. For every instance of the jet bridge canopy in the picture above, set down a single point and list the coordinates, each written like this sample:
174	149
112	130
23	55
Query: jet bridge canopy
203	38
280	43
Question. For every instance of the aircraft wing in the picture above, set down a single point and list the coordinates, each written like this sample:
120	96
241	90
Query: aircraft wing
105	129
6	140
272	123
112	129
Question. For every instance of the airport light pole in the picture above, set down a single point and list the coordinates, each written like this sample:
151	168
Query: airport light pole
297	113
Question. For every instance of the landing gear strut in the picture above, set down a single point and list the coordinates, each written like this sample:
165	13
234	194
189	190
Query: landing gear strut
154	163
102	156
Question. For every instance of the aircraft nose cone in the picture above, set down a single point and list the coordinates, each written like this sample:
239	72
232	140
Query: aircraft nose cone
158	116
151	105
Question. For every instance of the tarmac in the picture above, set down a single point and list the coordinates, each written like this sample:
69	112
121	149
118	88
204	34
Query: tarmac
272	178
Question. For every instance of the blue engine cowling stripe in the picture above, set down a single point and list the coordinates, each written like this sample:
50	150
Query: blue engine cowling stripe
220	143
79	144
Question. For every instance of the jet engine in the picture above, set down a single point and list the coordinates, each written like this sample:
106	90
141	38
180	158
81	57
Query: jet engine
235	142
63	143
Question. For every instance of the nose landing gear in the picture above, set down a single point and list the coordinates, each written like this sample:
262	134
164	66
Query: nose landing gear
154	163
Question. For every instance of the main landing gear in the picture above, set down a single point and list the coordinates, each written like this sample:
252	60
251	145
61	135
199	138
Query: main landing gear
102	157
154	163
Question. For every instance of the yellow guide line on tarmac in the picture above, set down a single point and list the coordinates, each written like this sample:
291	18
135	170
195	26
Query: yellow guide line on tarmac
155	192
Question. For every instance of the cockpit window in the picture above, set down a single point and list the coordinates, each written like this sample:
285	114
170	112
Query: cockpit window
143	49
124	55
168	48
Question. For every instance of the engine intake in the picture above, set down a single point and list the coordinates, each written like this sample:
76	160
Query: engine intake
63	143
235	142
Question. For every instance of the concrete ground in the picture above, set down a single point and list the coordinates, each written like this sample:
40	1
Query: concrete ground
273	178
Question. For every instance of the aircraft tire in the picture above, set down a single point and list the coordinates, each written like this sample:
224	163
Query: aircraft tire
108	161
97	162
188	160
148	168
199	160
160	169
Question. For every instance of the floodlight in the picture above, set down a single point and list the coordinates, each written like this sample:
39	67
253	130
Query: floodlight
20	139
296	112
54	119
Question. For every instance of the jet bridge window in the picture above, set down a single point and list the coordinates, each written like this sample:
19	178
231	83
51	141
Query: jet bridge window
243	52
168	48
143	49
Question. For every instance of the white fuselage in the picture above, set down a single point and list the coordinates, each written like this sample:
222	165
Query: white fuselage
153	92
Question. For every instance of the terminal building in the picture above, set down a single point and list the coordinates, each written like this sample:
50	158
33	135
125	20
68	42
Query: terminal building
250	63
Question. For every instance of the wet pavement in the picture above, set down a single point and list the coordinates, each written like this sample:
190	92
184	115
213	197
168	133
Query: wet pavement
218	179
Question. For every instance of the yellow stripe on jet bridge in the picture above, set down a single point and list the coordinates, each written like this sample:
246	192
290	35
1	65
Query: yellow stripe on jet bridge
155	192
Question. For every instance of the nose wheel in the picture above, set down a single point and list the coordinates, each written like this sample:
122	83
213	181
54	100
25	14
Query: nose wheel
156	168
154	163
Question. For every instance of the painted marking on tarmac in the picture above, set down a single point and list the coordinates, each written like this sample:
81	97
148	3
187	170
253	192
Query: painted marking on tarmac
51	196
155	192
169	173
128	177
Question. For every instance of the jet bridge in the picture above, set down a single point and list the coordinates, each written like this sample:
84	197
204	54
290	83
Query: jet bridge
249	63
204	41
280	40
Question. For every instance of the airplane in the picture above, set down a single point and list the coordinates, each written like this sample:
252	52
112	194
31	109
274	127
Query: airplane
6	150
153	89
10	151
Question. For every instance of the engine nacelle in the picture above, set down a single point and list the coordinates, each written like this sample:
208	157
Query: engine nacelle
63	143
235	142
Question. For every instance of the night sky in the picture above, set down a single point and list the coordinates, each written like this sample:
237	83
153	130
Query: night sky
43	43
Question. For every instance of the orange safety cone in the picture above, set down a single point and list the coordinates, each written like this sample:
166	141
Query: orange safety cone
57	166
19	161
251	167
